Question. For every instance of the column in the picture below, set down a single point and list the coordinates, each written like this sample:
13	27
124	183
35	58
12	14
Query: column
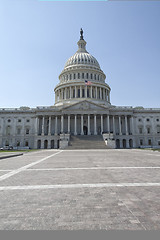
101	124
109	96
96	93
42	126
80	91
70	92
108	124
65	93
113	125
131	125
36	126
75	124
49	127
103	94
69	120
106	97
120	129
91	92
126	125
86	91
56	96
89	131
82	133
56	126
62	123
95	124
75	89
100	93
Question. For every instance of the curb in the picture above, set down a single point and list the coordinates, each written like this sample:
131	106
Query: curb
9	156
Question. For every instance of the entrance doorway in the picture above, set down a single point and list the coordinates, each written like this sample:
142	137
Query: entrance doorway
117	143
52	144
39	144
130	143
124	143
45	144
85	130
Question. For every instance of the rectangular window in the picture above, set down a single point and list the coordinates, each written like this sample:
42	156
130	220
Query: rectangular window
78	93
158	129
148	130
27	131
18	131
83	93
149	142
73	93
87	75
83	75
140	130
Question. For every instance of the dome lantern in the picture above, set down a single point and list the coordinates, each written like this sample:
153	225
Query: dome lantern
81	43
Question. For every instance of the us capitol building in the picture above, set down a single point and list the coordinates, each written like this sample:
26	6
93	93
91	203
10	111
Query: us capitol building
82	110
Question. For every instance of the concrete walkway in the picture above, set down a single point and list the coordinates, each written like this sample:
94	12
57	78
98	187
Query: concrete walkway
105	189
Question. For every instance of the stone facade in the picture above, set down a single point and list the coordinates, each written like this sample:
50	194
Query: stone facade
82	107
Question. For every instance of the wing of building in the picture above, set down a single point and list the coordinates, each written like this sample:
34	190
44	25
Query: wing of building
82	115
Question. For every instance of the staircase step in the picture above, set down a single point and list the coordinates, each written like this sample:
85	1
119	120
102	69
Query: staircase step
87	142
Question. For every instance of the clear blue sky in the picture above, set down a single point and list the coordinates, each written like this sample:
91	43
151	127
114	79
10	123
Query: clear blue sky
37	38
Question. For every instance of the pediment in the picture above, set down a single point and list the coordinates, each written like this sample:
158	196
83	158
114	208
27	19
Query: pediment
85	105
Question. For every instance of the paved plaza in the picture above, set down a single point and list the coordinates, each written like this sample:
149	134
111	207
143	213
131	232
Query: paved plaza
81	189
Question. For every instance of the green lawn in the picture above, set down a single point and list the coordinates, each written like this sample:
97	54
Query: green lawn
27	150
153	149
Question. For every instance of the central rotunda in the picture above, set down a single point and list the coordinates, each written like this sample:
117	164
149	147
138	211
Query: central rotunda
82	78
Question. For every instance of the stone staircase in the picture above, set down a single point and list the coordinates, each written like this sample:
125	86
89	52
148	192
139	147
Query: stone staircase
87	142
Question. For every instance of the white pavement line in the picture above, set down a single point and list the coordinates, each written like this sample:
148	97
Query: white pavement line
91	168
95	185
27	166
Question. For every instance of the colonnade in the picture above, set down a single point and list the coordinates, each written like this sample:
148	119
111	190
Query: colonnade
82	91
84	124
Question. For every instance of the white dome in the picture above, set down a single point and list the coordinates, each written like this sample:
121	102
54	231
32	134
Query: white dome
82	58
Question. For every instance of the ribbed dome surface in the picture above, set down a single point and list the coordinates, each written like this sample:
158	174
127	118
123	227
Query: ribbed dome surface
82	58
